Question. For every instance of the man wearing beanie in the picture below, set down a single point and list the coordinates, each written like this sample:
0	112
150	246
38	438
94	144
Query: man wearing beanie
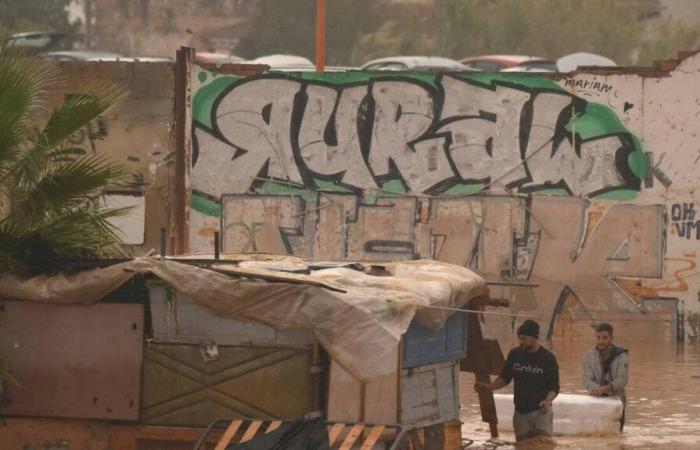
536	374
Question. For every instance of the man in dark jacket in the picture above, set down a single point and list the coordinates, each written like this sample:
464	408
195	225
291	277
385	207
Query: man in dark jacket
536	374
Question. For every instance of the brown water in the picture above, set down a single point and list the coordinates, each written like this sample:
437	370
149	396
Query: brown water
663	399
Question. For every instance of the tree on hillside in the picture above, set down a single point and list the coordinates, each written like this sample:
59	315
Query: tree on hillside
553	28
49	190
290	27
547	28
669	39
407	30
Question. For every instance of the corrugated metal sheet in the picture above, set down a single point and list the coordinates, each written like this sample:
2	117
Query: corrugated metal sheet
425	346
73	361
177	319
430	394
181	389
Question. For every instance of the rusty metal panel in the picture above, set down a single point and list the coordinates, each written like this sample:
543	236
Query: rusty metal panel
72	360
430	394
177	319
180	388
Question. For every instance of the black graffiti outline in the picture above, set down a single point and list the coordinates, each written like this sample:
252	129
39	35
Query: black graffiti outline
437	96
559	134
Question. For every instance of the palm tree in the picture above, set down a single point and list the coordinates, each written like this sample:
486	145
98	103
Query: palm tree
49	189
6	378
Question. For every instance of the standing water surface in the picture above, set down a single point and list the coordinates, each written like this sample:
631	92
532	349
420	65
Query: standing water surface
663	398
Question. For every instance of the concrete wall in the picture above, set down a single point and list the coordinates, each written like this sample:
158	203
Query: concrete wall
582	185
137	135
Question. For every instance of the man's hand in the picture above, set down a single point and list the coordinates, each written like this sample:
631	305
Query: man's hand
600	390
482	386
545	405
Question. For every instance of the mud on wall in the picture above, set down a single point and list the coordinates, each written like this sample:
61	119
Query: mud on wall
137	135
566	184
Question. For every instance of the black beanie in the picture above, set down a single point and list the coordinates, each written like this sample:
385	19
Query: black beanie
529	328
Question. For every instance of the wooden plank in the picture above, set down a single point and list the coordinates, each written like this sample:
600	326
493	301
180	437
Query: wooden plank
228	435
434	437
263	275
252	429
382	397
344	393
429	394
275	424
453	435
379	404
489	356
91	370
335	432
373	437
476	350
352	437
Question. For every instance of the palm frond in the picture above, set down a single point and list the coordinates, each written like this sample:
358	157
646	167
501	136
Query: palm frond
65	154
49	187
79	110
11	246
7	376
13	240
82	232
23	84
64	185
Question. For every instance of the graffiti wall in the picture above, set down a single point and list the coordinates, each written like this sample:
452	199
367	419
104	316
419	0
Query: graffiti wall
561	185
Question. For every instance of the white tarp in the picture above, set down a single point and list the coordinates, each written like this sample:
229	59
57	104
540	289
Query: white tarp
358	318
573	414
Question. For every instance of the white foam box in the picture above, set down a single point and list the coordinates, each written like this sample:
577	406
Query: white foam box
573	414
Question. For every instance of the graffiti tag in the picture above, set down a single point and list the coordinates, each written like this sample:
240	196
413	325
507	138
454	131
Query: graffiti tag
430	138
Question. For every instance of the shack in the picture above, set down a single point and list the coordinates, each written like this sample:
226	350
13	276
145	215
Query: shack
146	352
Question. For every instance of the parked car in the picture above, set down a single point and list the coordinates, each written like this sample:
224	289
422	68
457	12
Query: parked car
571	62
34	42
90	55
82	55
310	69
496	63
284	61
216	58
533	66
429	63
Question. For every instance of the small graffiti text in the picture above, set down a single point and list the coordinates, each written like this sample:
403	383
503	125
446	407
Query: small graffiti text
683	218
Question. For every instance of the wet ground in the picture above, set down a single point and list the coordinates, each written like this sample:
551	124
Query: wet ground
663	408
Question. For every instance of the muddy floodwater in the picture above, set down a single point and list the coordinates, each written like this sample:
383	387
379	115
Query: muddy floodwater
664	398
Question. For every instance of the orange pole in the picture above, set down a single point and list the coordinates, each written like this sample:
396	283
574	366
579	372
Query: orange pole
320	35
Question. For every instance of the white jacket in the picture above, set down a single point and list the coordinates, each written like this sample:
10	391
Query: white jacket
619	372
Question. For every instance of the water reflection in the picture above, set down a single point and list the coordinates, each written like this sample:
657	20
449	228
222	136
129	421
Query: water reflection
664	398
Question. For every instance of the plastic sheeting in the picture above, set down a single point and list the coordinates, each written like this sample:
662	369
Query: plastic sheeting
573	414
358	318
